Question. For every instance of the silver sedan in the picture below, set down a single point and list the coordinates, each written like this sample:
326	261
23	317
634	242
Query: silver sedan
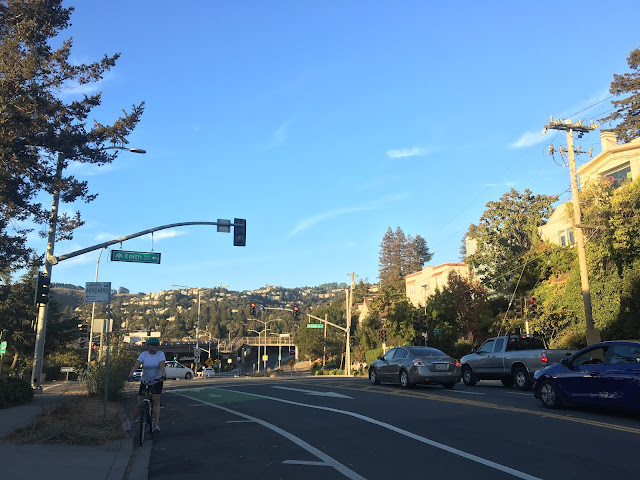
412	365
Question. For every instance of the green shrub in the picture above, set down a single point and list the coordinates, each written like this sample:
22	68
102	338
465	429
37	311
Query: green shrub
14	391
121	360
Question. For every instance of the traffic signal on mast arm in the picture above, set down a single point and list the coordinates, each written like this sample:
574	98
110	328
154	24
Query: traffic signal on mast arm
517	307
252	310
42	288
239	232
296	311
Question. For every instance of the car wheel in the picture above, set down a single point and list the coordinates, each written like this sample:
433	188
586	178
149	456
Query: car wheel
507	382
549	394
373	377
188	376
468	377
521	379
449	386
404	379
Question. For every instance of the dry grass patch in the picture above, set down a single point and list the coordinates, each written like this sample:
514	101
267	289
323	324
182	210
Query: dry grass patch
78	420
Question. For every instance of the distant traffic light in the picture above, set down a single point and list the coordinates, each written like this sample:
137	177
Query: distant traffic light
239	232
296	311
517	307
252	310
42	288
383	335
531	306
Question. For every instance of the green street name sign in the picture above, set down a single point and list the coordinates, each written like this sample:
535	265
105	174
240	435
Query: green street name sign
3	348
137	257
437	331
315	325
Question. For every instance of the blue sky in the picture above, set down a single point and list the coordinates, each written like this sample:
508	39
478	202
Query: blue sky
323	124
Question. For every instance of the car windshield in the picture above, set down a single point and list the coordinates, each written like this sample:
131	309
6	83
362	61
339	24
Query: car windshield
428	352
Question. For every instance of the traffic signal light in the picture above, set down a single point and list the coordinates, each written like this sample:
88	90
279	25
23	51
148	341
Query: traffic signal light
531	306
252	310
383	334
351	341
296	311
239	232
517	307
42	288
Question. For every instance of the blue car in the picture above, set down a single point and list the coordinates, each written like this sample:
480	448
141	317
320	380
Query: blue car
605	374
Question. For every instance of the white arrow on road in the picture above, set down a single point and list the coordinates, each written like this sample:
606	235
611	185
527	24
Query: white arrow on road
319	394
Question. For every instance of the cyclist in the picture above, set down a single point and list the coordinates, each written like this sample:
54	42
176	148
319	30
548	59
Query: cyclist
152	362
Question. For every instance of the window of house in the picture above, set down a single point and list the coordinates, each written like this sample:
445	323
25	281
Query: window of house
618	175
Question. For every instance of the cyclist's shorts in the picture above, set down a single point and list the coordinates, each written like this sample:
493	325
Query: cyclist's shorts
156	389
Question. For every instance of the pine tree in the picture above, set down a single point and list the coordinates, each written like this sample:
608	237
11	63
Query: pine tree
36	124
627	110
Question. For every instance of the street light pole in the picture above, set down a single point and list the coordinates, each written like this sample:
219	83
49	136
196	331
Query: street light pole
43	309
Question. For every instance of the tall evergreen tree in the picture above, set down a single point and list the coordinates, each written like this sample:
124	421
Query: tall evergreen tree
627	109
36	124
400	255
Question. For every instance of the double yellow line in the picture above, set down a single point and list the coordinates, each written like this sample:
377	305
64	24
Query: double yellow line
475	403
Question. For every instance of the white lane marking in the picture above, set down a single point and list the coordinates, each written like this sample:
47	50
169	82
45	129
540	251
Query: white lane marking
305	462
326	459
313	392
521	393
433	443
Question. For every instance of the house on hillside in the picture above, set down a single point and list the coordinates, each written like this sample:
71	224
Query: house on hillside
616	163
421	285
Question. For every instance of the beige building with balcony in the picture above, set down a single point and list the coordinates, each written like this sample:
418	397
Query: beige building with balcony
617	163
421	285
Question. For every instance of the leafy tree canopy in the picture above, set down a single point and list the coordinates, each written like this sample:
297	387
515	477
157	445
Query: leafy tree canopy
507	230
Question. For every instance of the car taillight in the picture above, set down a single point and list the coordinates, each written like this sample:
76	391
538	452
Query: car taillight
543	357
457	363
417	362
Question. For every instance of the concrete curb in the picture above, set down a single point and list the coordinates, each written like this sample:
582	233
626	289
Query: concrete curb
138	468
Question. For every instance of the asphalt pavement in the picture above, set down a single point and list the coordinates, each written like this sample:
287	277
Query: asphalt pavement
60	461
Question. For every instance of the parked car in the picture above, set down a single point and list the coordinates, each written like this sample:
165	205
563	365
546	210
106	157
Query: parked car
411	365
604	374
176	370
208	372
513	359
137	375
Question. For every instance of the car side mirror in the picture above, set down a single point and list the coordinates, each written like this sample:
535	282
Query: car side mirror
379	358
565	362
474	350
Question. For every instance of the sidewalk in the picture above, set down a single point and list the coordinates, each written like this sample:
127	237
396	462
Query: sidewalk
60	461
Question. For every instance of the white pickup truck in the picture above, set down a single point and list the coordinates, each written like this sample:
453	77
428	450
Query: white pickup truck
513	359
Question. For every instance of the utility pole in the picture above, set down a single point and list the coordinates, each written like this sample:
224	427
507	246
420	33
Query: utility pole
592	334
349	302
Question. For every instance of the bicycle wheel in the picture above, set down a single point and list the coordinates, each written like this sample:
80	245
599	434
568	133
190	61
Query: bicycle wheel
143	422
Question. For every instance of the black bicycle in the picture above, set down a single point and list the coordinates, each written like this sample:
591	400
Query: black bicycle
146	410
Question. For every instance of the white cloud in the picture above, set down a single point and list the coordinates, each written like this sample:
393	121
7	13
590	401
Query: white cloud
89	169
408	152
162	234
337	212
279	136
528	139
